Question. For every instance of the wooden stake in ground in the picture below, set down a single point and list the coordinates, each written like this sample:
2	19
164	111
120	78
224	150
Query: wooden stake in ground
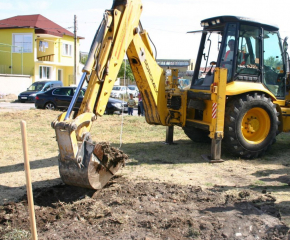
28	181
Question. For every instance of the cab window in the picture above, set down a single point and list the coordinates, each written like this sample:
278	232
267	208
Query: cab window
227	59
273	69
248	54
210	44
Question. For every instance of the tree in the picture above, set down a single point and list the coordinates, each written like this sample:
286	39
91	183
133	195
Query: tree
272	62
84	59
129	73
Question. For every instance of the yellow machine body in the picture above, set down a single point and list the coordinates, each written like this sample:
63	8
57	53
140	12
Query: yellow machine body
193	108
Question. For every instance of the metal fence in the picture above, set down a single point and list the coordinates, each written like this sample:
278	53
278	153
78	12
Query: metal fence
6	52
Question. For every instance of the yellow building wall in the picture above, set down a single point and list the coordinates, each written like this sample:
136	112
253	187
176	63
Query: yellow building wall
55	47
68	76
46	51
13	63
30	62
67	60
66	73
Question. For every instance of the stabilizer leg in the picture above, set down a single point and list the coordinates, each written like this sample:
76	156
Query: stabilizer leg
169	135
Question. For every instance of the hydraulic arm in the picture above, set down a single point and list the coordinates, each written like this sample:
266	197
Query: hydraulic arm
120	32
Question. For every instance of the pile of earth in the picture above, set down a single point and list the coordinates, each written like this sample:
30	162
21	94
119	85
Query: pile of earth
145	210
109	156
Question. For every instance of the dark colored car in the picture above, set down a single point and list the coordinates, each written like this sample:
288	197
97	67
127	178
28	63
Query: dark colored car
37	87
60	98
116	105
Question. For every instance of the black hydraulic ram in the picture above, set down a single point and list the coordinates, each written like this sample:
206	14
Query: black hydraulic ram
91	62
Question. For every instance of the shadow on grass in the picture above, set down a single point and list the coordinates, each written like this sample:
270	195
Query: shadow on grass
181	152
187	151
37	164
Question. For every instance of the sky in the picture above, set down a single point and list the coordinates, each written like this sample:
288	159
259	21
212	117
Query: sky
166	21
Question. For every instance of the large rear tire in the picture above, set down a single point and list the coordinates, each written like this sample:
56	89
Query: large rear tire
251	125
197	135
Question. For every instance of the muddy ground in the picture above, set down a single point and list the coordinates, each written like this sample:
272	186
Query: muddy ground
148	210
144	210
164	200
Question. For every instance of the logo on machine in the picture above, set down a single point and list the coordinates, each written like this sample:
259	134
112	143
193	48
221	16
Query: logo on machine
150	75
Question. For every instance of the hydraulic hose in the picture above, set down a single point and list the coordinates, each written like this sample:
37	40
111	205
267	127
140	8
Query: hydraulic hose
92	59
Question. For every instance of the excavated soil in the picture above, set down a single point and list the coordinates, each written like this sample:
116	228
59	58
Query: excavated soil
144	210
110	156
148	210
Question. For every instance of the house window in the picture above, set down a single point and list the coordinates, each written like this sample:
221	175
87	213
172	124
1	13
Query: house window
44	72
59	74
22	42
66	49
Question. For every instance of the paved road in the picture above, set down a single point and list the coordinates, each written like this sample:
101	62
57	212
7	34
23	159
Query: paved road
15	106
12	106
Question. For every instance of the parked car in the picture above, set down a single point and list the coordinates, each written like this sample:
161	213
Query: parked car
37	87
57	98
116	106
60	98
118	91
133	89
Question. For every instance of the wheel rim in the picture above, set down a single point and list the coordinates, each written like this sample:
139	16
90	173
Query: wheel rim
256	125
49	106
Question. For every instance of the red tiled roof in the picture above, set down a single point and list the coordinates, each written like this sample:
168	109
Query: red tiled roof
41	24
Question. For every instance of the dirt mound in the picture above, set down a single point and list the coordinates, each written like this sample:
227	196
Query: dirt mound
110	156
148	210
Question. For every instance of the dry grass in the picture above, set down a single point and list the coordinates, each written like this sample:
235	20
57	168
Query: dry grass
150	159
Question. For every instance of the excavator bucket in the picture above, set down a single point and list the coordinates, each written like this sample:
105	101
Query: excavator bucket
97	166
82	162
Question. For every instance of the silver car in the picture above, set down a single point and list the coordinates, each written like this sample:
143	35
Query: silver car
133	89
119	91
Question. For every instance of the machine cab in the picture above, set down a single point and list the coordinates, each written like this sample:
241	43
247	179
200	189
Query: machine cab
251	52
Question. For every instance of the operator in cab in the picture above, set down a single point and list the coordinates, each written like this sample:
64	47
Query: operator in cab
230	53
228	58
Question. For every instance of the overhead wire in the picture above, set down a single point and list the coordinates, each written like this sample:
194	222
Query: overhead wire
122	118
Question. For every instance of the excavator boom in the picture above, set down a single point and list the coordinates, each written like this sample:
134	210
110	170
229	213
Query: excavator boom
119	33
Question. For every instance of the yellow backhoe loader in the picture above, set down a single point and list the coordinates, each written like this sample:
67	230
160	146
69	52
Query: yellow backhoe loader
239	93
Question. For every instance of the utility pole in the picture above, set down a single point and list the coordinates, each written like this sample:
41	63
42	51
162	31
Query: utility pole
75	49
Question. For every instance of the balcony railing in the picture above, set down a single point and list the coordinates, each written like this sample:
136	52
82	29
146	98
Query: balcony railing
46	58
